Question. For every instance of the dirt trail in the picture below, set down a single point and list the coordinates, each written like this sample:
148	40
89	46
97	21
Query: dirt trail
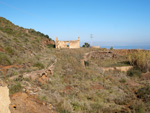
24	103
28	102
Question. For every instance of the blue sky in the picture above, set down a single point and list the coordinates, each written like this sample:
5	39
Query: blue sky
112	22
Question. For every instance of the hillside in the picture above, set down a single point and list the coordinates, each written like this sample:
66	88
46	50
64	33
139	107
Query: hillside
81	80
20	46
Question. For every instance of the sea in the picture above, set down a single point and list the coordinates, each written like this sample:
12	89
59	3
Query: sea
127	47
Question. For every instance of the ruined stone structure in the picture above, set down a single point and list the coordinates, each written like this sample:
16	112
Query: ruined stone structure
67	44
95	46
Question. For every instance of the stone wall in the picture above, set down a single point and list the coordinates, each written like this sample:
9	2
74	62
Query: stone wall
67	44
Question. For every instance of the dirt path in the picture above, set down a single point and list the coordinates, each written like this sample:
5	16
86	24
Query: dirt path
24	103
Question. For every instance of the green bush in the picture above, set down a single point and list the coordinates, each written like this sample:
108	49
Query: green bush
86	45
134	72
144	93
15	88
16	40
4	60
43	98
137	107
86	63
64	111
76	106
111	48
122	81
9	50
39	65
32	31
8	30
50	46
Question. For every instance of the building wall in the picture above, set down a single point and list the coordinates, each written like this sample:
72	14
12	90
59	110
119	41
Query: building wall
72	44
61	44
95	46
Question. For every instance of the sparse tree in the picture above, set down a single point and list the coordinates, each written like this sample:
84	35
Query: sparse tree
111	48
46	36
86	44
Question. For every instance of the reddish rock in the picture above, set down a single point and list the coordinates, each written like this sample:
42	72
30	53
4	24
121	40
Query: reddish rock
43	79
24	103
1	49
46	42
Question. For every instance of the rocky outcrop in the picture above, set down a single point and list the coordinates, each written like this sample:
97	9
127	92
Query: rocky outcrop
47	41
4	100
41	75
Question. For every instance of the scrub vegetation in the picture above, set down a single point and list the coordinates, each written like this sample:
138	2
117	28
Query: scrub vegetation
78	82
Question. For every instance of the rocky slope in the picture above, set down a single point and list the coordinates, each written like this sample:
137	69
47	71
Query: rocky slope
23	51
44	79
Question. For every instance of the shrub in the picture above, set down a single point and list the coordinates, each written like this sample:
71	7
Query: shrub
96	108
86	45
43	98
50	46
4	60
64	107
122	81
26	40
64	111
9	50
144	93
8	30
134	72
16	40
137	107
111	48
39	65
140	59
15	88
32	31
86	63
140	108
76	106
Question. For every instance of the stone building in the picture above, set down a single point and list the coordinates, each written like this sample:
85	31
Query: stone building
67	44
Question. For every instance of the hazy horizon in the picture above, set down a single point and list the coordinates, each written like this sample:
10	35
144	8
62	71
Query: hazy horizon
112	22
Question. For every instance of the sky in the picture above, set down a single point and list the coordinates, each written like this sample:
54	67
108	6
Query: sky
112	22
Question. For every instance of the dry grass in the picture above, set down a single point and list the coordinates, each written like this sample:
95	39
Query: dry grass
73	88
140	59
